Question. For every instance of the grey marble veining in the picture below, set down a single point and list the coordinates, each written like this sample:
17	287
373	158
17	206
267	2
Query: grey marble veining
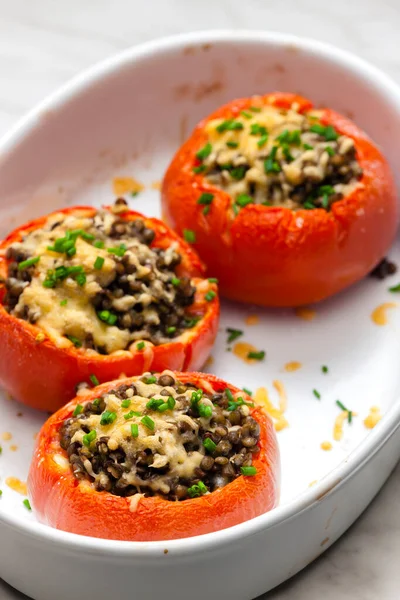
43	43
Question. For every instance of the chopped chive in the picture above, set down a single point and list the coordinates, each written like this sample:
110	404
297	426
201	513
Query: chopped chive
99	262
317	394
255	108
350	416
204	152
148	422
163	407
189	236
324	369
78	410
96	402
205	411
328	132
206	210
171	330
151	379
308	147
270	164
89	437
213	280
256	355
210	296
262	141
229	125
27	504
243	200
205	198
308	205
64	302
196	397
199	169
81	279
248	471
140	345
197	490
98	244
229	395
257	129
118	251
248	392
395	288
94	379
135	430
189	323
108	417
28	263
135	193
232	144
175	281
126	403
330	150
171	402
233	334
209	445
107	317
76	342
132	413
341	405
246	114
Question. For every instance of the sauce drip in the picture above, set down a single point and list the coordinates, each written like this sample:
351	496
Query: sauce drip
294	365
379	314
17	485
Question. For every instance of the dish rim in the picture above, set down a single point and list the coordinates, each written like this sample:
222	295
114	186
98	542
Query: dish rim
375	439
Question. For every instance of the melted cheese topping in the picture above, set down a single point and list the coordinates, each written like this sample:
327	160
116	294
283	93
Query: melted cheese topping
379	314
261	397
164	441
373	417
326	446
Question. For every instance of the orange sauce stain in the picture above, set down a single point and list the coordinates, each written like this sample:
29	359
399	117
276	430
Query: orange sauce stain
252	320
156	185
17	485
373	418
13	448
326	446
313	483
292	366
242	349
261	397
6	436
379	314
124	185
307	314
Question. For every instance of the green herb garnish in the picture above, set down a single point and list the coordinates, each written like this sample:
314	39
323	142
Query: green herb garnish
25	264
27	504
233	334
99	262
107	317
108	417
78	410
189	236
197	490
118	251
76	342
205	198
89	437
395	288
135	430
232	144
243	200
317	394
209	445
126	403
256	355
324	369
229	125
94	379
204	152
148	422
140	345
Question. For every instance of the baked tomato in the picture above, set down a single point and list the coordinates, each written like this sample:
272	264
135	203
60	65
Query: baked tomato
88	295
286	204
155	457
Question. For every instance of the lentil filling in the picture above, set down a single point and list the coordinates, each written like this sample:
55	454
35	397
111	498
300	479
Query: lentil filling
159	436
97	282
277	157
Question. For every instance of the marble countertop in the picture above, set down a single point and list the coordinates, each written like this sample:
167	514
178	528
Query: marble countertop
44	43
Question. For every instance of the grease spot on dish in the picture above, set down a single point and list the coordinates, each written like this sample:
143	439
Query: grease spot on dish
379	314
326	445
210	361
307	314
242	349
125	185
17	485
293	365
252	320
373	417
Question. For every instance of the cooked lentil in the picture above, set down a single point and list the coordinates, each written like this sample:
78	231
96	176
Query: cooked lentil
183	454
384	269
98	283
279	157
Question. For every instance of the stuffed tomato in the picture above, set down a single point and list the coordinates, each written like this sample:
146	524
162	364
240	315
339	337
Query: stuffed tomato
286	204
87	295
156	457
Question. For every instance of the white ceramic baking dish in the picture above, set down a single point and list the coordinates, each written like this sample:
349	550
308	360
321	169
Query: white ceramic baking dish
126	117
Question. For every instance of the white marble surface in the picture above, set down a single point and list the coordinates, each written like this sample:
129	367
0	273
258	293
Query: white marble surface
45	42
